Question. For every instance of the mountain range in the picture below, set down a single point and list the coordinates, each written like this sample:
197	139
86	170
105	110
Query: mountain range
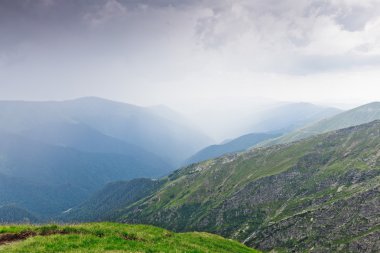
359	115
236	145
47	179
318	194
153	129
273	122
315	188
286	117
54	155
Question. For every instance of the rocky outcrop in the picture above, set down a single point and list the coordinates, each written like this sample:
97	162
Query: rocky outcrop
346	225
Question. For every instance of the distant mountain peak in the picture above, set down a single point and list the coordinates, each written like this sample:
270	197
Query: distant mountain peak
356	116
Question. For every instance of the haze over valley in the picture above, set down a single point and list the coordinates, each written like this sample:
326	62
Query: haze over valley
189	126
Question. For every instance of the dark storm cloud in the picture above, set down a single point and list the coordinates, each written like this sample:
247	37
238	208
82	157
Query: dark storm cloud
81	46
24	20
78	47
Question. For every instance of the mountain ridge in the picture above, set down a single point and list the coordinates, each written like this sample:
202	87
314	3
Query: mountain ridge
136	125
48	179
319	169
232	146
356	116
259	196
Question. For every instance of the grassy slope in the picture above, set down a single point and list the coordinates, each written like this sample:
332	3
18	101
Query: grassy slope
113	237
209	183
240	194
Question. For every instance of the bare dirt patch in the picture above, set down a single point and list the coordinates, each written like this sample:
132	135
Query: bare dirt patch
13	237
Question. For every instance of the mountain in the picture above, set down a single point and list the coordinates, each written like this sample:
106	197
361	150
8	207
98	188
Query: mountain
54	155
144	127
40	199
271	123
47	179
13	214
287	117
320	194
104	204
84	138
239	144
360	115
111	237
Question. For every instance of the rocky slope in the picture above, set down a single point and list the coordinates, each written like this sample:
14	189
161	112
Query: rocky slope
317	195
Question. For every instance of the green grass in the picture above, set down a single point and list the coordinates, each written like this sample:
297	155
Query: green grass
114	237
238	195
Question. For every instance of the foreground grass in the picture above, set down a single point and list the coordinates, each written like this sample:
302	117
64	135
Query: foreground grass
113	237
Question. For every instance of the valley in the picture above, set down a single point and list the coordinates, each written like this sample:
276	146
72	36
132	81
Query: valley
266	191
287	202
193	126
279	197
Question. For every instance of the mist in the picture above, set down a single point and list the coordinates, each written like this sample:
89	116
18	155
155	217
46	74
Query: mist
217	63
190	126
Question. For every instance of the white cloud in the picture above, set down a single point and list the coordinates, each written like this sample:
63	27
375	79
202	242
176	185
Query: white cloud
293	30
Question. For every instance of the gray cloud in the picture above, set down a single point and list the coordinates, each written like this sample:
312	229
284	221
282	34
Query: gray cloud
143	50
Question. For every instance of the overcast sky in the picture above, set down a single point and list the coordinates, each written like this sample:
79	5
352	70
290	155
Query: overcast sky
169	52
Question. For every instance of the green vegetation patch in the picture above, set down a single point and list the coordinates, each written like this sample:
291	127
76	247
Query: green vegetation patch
112	237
